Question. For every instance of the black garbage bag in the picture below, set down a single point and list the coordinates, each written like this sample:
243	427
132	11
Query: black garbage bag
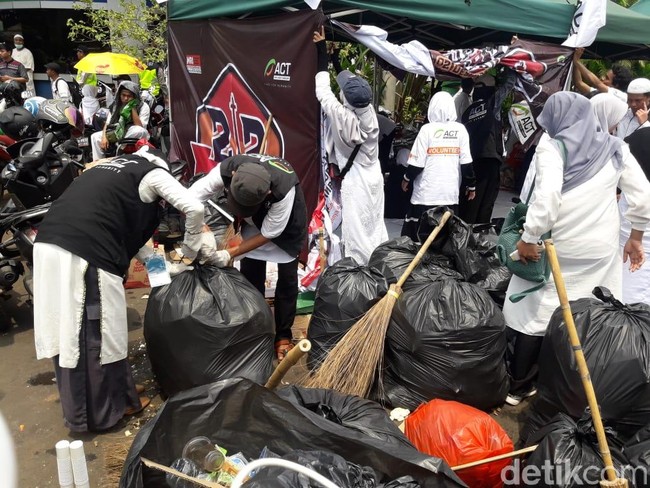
471	249
353	412
446	340
330	465
637	452
567	455
208	324
242	416
616	343
344	293
392	258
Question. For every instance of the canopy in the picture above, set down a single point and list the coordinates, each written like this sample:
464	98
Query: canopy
641	7
444	24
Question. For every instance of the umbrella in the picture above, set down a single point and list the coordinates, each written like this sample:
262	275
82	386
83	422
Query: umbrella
110	64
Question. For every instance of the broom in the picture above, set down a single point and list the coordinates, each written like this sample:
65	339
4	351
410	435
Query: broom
583	369
351	365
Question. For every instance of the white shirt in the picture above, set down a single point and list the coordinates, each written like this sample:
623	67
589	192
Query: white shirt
440	149
276	219
462	101
57	321
60	90
629	124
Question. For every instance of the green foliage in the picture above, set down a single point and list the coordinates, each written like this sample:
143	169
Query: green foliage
137	29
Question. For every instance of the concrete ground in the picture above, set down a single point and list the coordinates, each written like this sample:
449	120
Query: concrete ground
29	399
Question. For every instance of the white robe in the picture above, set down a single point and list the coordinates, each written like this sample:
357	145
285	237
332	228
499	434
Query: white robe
362	190
636	286
585	228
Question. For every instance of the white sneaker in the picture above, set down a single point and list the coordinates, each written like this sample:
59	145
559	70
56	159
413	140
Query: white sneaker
515	400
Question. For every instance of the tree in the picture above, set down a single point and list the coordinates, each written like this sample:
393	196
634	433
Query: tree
138	28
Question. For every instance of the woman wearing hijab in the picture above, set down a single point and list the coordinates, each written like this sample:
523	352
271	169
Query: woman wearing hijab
609	111
576	170
439	159
636	286
353	123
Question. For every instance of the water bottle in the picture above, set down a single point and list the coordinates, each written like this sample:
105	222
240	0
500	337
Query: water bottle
157	270
184	466
204	453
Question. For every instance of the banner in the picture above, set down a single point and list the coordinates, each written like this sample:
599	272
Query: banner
230	79
590	15
537	69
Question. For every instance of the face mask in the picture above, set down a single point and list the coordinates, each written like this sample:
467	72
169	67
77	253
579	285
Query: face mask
19	46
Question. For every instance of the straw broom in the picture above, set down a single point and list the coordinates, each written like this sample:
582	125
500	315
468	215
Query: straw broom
612	479
350	366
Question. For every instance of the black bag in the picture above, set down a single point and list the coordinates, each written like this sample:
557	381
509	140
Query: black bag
242	416
344	293
637	451
337	174
568	452
616	343
208	324
446	340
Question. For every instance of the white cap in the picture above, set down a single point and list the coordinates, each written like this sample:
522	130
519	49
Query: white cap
18	36
639	86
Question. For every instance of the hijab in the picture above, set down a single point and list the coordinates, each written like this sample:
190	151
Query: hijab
609	110
442	108
569	119
639	142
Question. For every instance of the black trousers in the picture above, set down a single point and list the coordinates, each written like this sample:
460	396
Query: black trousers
488	182
286	291
523	354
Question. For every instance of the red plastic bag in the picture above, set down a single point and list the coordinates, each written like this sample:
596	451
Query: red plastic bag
460	434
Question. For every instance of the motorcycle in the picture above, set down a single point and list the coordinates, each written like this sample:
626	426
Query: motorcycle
17	252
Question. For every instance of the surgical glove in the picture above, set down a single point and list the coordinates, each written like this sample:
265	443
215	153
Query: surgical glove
208	247
177	268
220	258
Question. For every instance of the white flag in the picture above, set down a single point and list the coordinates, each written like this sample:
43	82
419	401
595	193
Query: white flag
313	4
590	15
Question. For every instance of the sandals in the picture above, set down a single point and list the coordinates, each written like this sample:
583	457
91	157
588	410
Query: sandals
139	389
282	347
144	403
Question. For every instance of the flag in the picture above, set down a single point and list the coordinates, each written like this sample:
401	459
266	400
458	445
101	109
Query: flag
313	4
590	15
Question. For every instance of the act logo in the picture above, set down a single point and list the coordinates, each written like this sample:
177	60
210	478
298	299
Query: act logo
231	121
445	134
279	71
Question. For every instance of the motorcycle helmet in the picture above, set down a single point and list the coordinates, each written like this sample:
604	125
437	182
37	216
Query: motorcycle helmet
11	93
18	123
33	103
59	116
100	117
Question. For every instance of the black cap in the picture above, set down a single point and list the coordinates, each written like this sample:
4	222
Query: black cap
54	67
355	89
249	188
82	48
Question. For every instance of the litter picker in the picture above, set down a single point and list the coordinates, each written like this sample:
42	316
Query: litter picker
612	480
350	367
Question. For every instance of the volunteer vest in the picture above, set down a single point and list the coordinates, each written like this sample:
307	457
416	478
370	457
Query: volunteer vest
91	78
147	78
283	179
101	218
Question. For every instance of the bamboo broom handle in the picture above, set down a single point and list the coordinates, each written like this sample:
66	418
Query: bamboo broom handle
183	476
580	359
292	357
418	257
507	455
266	134
321	249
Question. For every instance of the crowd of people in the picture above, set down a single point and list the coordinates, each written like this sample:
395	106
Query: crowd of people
594	145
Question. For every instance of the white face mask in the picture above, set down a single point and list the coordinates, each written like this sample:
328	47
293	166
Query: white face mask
19	46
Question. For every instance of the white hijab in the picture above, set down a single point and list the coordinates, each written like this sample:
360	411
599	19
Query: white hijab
442	108
609	110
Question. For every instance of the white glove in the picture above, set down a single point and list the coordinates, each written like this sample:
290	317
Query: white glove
208	247
220	258
177	268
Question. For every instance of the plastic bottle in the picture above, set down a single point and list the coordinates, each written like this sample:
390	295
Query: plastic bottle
157	269
185	466
204	453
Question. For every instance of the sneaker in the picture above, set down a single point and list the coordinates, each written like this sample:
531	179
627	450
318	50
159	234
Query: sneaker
515	400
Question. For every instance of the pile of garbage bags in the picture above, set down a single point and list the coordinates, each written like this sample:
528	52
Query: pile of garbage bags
353	438
616	343
446	338
208	324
